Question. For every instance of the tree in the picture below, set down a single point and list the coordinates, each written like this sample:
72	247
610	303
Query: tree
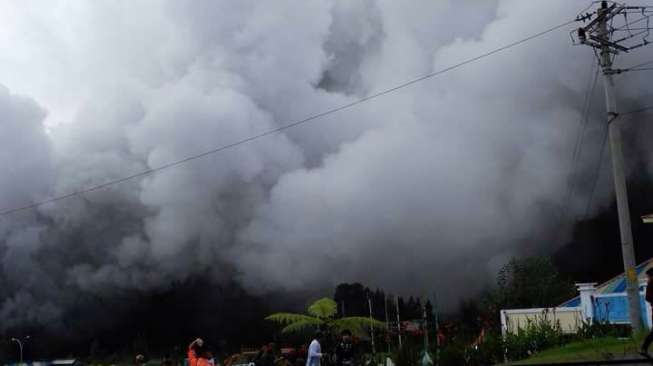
470	315
140	344
351	299
530	282
322	315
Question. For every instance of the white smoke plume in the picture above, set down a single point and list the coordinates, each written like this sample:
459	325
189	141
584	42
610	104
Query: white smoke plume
427	189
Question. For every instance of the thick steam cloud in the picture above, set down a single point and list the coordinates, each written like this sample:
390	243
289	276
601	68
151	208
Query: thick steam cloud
427	189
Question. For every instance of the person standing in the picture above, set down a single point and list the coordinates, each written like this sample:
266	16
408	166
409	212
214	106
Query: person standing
197	353
139	360
649	299
167	360
210	358
314	351
345	349
300	360
265	356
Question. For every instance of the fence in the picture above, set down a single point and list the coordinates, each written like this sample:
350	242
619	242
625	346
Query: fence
569	318
606	308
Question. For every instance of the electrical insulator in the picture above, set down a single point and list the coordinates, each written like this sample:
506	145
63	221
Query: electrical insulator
582	36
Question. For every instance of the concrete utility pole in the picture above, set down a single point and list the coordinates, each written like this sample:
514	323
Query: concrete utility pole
426	328
398	322
436	320
627	249
387	321
369	303
598	33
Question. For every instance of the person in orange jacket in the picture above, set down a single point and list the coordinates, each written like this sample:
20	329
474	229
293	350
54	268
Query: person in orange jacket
197	353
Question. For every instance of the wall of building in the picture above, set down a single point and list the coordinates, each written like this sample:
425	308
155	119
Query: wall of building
569	319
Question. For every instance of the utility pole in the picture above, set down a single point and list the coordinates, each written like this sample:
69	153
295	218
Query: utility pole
398	322
598	34
436	320
369	303
426	328
387	322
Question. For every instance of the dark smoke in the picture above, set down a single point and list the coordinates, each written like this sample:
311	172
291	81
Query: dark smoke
429	189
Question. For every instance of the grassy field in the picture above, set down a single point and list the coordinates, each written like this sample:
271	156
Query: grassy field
588	350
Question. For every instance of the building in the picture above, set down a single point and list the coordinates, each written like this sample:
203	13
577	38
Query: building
647	219
606	302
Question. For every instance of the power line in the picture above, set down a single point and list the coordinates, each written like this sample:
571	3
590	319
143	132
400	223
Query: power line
638	66
597	35
587	102
585	116
639	110
600	163
597	173
286	126
578	148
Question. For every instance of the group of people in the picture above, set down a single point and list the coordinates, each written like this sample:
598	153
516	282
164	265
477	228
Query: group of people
268	357
343	355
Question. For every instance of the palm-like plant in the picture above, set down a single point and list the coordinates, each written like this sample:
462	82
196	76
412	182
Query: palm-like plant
322	314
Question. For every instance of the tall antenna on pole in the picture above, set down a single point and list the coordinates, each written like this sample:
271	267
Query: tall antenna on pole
612	29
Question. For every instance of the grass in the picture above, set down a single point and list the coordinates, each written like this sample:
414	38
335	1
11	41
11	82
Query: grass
587	350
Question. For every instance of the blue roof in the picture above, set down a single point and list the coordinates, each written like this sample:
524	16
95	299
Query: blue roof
575	302
615	285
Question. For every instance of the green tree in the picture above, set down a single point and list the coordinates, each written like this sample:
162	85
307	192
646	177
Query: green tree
322	315
530	282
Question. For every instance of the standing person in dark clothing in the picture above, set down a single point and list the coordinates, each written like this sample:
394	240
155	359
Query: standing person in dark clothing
265	356
301	356
167	360
649	299
345	350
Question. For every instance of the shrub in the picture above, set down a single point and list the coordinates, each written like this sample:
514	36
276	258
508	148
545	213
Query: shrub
453	354
598	329
539	334
407	355
490	352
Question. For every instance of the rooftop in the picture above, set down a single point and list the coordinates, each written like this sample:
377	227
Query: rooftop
616	284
